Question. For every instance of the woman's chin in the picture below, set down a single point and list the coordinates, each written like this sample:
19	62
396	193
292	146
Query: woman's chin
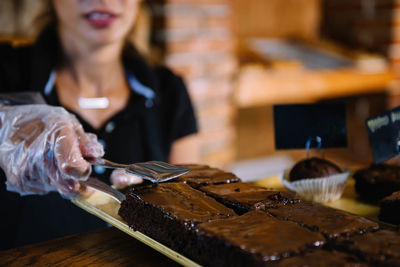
104	37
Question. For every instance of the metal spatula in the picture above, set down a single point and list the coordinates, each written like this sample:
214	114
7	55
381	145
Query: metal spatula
154	171
104	188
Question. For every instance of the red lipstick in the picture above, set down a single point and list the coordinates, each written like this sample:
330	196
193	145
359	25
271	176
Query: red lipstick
100	19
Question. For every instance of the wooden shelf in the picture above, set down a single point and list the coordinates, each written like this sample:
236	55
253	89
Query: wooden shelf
259	86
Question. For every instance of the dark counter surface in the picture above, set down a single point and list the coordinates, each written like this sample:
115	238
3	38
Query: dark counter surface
106	247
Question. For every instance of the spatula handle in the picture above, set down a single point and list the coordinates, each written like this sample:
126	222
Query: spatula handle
102	187
106	163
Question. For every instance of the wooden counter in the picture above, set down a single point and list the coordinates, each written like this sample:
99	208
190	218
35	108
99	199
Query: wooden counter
106	247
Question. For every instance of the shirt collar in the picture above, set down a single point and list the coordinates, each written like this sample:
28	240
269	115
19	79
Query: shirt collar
134	84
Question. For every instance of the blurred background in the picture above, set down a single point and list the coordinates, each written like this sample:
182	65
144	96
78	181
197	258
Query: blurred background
240	57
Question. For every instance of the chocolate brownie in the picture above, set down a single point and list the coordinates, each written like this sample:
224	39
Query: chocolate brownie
243	197
168	211
313	168
194	166
321	258
330	222
378	248
253	239
200	175
377	181
390	208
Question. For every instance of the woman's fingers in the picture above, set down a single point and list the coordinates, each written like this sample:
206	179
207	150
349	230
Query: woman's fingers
121	179
67	152
67	187
88	144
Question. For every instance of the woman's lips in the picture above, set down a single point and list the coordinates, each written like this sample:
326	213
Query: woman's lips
100	19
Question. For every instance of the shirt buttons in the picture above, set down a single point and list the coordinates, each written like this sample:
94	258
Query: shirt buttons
99	169
149	103
110	127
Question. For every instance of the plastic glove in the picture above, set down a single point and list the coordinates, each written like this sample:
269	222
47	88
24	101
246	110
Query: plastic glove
42	149
120	179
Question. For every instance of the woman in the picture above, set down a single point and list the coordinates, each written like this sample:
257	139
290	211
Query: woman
83	63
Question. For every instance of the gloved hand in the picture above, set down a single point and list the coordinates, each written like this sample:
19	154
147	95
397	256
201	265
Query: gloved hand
42	149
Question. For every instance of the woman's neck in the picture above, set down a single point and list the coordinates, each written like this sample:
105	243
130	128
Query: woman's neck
89	72
96	69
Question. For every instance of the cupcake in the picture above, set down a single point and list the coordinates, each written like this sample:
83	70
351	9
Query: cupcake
313	168
316	179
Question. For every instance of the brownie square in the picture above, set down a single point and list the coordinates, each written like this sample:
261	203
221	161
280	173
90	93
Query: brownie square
200	175
377	181
321	258
168	211
390	208
253	239
330	222
243	197
378	248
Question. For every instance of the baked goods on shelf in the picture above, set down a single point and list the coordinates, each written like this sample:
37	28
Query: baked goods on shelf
316	179
168	211
274	228
200	175
253	239
313	168
390	208
377	181
328	221
381	248
321	258
243	197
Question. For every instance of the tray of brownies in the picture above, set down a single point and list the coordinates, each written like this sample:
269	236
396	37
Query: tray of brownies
209	217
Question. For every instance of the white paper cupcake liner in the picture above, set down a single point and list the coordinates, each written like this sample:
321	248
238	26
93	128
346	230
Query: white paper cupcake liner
324	189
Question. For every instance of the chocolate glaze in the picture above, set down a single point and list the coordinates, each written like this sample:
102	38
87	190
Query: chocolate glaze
321	258
180	201
253	239
243	197
197	226
390	208
200	175
328	221
377	181
167	212
194	166
378	248
313	168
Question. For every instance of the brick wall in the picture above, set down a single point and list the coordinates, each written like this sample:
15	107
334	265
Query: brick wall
195	37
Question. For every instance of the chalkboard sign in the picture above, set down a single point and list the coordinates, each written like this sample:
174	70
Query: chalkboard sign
297	124
384	134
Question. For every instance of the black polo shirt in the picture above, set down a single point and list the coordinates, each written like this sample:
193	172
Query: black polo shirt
144	130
